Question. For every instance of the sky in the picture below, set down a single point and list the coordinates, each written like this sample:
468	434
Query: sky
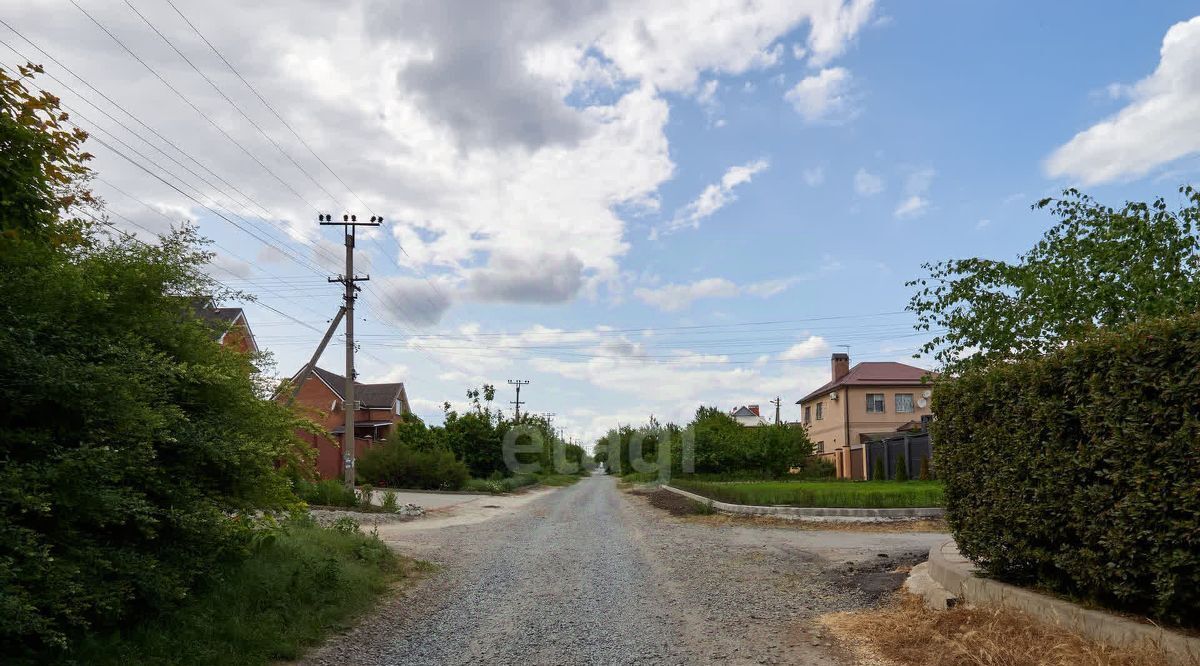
639	207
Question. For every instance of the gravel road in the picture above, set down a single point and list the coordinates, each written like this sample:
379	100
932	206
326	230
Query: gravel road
592	575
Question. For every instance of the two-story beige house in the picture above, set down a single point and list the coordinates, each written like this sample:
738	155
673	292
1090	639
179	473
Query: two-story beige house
861	403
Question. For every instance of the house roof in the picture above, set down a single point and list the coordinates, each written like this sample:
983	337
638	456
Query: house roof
378	396
874	373
743	411
221	320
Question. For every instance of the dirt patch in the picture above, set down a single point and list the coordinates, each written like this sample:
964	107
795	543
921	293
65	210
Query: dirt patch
902	632
675	504
878	578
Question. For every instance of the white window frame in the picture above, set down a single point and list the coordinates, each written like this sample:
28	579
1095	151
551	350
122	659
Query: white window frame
911	403
875	400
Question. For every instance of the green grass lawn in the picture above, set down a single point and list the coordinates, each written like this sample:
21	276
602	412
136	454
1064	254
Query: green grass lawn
854	494
290	594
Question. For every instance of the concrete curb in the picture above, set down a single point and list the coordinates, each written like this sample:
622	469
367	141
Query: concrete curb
814	513
957	575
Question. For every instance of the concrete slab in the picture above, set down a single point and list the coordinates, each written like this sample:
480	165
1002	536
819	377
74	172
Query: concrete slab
822	514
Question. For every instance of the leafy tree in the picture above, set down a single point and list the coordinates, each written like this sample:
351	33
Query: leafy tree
1096	267
135	449
901	468
879	473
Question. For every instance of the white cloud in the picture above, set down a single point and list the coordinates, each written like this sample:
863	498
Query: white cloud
983	224
714	197
675	297
814	176
812	347
914	203
1156	127
825	97
866	183
838	25
913	206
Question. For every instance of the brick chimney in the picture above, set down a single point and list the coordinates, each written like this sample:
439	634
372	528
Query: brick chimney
840	365
754	408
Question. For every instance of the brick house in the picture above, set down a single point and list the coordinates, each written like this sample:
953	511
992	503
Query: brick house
748	415
862	403
321	399
229	325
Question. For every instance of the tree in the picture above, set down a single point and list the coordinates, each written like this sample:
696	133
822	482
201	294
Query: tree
879	473
901	468
136	450
1096	267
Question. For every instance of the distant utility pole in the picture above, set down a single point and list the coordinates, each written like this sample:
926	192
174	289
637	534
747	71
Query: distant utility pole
349	224
517	409
777	401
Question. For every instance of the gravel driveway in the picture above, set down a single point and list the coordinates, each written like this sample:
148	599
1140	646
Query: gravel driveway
588	574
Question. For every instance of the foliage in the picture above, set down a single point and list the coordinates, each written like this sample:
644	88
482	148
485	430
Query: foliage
855	494
925	476
1079	471
395	463
498	484
288	595
135	448
815	469
1096	267
719	445
390	503
901	468
328	492
879	473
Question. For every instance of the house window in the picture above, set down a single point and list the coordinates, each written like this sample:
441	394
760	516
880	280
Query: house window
820	410
808	414
820	447
926	419
874	403
904	403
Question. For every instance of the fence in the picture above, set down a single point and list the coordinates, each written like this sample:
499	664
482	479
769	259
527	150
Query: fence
912	447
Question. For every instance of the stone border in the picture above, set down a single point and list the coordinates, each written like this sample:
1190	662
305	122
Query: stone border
838	514
958	576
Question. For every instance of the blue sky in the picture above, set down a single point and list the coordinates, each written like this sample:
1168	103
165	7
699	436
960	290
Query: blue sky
637	206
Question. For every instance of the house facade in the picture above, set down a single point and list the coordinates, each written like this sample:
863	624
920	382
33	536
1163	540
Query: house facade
869	401
230	326
748	415
321	399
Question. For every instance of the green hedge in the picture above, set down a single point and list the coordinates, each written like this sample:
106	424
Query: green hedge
1080	471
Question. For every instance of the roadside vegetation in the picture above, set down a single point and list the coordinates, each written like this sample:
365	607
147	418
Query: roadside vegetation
853	494
1066	428
144	465
467	452
298	583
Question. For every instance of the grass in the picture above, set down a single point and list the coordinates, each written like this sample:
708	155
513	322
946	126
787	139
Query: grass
906	633
293	591
854	494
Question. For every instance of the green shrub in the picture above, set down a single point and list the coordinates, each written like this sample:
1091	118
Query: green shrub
901	468
815	469
289	594
135	449
880	474
1079	471
855	494
397	465
328	492
924	469
390	504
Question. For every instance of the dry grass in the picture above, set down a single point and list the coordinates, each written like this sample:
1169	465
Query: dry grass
905	633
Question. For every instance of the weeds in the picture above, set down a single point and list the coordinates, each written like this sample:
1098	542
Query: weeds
855	494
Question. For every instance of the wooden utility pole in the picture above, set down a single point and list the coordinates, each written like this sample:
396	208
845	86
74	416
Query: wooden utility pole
777	401
349	224
517	409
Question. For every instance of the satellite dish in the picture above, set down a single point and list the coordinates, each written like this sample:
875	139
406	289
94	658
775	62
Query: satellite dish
926	394
922	402
833	395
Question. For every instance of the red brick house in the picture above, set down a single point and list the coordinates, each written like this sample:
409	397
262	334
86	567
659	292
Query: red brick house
322	400
229	325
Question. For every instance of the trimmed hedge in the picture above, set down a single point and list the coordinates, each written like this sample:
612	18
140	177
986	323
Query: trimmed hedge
1080	471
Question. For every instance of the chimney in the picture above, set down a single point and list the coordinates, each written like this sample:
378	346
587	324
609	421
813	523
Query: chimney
840	365
754	408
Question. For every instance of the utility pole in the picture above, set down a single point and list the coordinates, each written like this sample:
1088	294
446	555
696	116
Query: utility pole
777	401
349	226
517	410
